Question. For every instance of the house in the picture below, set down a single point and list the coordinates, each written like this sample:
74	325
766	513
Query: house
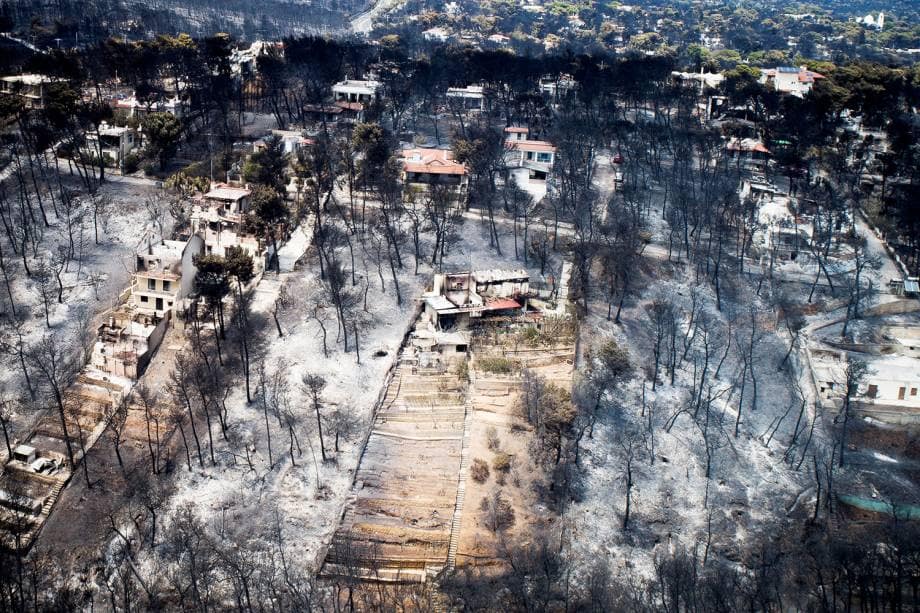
292	141
698	79
116	142
469	98
244	62
892	381
355	91
31	89
498	39
905	339
164	275
219	219
908	286
748	152
516	133
126	342
559	88
436	34
456	299
790	80
132	107
425	167
340	111
536	156
230	199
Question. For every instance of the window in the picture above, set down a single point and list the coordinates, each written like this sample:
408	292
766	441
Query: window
872	392
901	391
543	157
166	285
913	391
145	299
530	155
151	284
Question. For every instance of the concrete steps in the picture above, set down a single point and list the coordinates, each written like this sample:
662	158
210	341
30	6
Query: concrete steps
461	489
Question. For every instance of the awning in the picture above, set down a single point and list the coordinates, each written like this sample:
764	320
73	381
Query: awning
501	304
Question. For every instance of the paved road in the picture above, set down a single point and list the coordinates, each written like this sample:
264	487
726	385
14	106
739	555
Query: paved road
362	23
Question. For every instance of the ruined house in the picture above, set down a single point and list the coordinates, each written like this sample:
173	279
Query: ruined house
164	275
456	299
126	342
219	219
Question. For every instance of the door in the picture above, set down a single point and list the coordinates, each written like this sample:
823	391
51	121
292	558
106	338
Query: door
159	304
901	391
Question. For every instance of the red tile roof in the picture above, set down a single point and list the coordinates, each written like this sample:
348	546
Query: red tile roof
432	161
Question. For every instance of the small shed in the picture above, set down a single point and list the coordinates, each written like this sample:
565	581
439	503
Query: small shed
24	453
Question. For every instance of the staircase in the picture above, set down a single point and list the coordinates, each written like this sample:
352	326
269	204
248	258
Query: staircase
461	484
44	513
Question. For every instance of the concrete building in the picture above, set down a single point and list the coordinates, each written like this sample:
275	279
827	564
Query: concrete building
355	91
116	142
559	88
457	298
218	219
292	141
164	275
469	98
132	107
790	80
30	88
126	342
536	156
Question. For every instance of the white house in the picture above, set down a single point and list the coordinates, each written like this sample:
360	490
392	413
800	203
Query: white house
790	80
115	142
355	91
132	107
537	156
218	218
30	88
436	34
893	381
469	98
164	275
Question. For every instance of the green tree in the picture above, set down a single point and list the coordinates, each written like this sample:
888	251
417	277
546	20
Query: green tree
272	214
267	166
162	131
212	280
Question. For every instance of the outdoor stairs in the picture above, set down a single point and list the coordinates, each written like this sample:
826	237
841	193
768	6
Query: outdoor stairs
44	513
461	485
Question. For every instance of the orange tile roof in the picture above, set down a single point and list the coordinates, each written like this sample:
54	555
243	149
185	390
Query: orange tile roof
432	161
533	145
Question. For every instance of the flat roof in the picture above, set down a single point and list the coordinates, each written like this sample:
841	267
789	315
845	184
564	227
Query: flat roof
498	274
356	84
29	79
226	192
439	303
